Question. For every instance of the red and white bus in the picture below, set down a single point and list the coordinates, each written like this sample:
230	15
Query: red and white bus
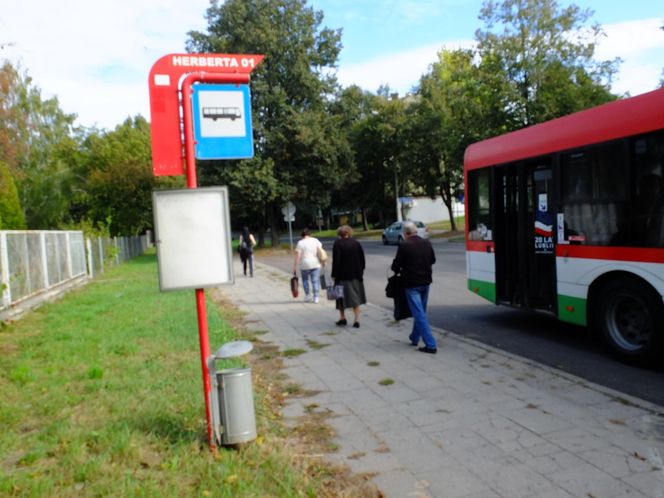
567	217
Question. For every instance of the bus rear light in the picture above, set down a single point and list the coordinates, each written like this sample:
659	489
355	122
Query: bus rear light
569	308
476	290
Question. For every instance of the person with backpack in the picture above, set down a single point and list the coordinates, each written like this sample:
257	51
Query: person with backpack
246	245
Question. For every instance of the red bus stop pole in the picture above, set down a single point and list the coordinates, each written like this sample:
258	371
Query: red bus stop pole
190	160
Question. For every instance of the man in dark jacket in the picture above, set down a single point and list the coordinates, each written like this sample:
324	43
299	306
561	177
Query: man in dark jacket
413	262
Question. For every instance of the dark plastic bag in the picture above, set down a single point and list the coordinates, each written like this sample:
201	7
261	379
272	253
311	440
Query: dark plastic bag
393	285
396	291
401	308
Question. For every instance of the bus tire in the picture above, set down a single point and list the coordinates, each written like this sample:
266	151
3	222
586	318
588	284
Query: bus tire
630	317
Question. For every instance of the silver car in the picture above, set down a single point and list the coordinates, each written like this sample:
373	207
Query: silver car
393	234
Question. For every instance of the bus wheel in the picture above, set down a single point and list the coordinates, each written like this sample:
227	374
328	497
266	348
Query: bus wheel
630	318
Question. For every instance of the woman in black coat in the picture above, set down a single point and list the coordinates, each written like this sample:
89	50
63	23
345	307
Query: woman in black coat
348	270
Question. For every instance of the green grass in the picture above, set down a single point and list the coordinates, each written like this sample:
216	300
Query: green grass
292	352
447	225
102	396
358	232
315	344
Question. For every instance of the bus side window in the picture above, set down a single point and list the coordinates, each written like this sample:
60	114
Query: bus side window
647	220
594	194
479	205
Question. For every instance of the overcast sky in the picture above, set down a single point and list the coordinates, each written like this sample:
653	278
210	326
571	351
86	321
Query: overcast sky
95	55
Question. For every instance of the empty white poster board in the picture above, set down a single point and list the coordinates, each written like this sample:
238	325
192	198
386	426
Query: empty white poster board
193	238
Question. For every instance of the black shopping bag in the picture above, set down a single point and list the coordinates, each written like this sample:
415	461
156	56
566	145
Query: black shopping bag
401	308
396	291
393	284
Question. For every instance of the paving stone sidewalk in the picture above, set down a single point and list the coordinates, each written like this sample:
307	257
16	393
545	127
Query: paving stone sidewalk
469	422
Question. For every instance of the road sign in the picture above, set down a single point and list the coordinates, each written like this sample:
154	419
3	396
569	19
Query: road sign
173	145
289	219
165	111
288	209
222	122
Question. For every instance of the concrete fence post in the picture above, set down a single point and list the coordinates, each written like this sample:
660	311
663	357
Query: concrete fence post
69	262
4	261
44	259
100	243
88	247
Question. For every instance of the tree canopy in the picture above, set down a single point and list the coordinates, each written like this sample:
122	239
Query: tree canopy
37	141
328	149
300	154
541	59
11	215
117	180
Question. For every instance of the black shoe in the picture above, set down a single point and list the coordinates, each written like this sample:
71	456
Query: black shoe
356	325
341	323
425	349
414	344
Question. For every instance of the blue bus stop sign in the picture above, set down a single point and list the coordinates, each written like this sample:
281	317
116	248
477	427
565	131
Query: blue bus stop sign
222	121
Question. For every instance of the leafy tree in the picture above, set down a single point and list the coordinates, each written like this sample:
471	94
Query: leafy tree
48	172
68	177
353	109
533	62
11	215
541	59
382	152
13	146
38	142
455	108
117	179
301	154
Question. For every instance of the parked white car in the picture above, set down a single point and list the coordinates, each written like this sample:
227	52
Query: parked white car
393	234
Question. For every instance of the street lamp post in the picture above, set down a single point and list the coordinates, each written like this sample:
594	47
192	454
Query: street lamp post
396	196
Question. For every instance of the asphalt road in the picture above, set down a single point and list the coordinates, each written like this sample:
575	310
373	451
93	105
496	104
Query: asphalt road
536	336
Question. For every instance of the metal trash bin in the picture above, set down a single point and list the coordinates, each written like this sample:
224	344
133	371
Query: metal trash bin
232	398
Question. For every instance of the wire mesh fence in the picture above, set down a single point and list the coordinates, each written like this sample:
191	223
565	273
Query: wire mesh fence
32	262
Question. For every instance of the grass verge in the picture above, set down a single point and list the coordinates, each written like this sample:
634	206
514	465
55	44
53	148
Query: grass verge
102	396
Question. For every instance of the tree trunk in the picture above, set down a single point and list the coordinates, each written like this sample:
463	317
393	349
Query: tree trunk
365	224
260	241
273	222
446	194
262	226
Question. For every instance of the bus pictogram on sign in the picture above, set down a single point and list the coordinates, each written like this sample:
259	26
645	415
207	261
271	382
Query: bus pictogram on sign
215	113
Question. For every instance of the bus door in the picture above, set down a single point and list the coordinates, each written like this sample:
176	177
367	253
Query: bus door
505	235
525	259
540	224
